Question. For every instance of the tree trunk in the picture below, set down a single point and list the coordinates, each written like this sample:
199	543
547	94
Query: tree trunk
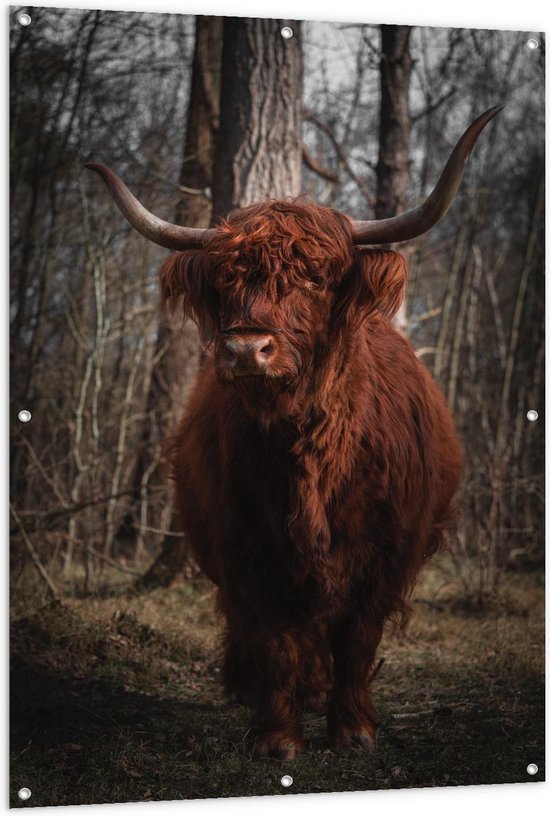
203	118
177	347
392	170
259	149
258	152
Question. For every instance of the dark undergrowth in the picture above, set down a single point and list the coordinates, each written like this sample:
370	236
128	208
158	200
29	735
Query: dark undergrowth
116	699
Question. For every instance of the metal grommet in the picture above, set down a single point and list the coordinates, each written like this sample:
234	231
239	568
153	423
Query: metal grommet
532	769
24	19
532	416
24	416
532	44
287	32
286	780
25	794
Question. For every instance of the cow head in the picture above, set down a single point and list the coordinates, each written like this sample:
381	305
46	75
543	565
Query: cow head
272	285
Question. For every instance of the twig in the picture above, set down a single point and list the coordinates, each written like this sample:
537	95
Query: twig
43	473
435	312
412	714
375	671
113	563
180	188
53	515
161	531
433	106
309	116
421	352
316	167
34	555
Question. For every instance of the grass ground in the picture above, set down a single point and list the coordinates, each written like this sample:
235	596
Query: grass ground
116	699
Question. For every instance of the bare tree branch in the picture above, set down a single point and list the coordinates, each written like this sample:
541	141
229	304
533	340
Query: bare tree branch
309	116
315	166
52	589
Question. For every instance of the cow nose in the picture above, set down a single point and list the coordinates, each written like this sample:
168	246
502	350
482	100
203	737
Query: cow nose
250	353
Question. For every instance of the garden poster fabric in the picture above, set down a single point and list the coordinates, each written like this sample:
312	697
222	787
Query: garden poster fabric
277	469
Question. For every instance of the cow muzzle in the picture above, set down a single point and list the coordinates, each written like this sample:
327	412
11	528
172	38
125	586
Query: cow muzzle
249	353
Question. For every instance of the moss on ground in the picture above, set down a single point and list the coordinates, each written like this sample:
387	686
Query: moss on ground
116	698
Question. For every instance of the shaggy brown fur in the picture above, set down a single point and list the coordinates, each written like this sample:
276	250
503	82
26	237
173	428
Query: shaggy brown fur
312	492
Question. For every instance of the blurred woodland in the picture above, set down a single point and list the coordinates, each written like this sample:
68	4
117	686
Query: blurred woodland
359	117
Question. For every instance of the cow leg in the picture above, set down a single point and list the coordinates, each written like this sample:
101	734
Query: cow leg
240	676
279	712
352	717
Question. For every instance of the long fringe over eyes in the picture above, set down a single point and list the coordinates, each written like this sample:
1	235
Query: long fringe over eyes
281	246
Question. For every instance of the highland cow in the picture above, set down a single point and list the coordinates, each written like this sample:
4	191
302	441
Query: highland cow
316	463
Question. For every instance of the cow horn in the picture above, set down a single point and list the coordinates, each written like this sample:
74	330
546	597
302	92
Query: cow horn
422	218
150	226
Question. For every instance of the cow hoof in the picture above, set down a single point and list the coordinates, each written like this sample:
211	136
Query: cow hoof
360	736
277	746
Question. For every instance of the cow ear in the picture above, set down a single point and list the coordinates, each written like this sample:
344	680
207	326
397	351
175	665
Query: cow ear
380	276
184	278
